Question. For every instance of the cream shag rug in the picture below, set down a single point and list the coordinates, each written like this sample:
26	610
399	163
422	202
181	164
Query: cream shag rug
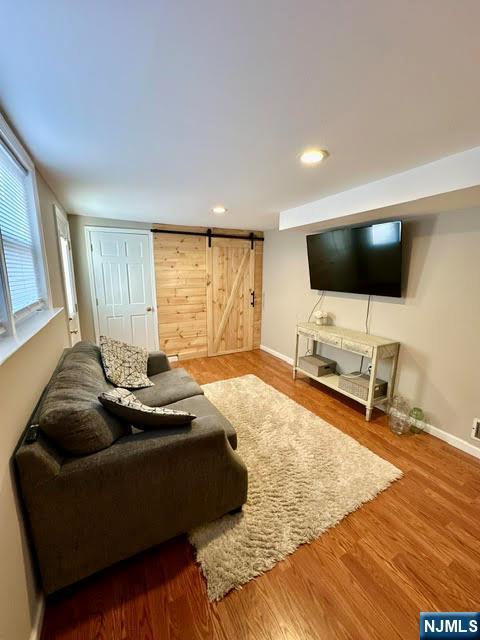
304	477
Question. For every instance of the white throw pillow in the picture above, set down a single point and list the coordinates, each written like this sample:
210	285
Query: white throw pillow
124	364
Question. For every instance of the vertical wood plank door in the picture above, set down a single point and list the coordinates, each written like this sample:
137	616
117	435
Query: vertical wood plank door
180	268
230	295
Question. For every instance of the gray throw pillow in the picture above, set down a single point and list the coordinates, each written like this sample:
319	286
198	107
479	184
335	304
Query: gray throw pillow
124	364
124	404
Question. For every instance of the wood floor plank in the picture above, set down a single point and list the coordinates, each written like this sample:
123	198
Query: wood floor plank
415	547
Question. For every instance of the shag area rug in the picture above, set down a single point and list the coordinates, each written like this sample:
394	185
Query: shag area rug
304	477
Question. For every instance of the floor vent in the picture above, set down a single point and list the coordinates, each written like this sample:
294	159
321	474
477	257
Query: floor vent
476	429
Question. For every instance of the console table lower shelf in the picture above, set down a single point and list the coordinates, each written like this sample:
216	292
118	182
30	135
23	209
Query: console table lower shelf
364	344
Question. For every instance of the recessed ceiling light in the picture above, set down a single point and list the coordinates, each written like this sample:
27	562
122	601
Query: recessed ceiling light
219	210
313	156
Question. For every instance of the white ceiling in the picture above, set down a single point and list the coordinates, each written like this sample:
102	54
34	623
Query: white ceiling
156	110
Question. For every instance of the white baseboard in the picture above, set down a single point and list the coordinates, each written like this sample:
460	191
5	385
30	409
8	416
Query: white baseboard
36	632
277	354
455	441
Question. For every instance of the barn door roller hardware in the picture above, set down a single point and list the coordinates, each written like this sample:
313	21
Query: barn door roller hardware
210	234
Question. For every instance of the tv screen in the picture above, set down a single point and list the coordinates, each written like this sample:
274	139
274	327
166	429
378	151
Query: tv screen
358	259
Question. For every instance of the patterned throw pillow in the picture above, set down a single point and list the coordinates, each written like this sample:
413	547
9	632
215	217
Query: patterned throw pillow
124	404
124	364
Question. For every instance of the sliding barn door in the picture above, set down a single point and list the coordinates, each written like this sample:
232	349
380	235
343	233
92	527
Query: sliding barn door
230	295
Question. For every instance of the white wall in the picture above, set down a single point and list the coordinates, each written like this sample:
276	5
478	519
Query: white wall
22	379
437	322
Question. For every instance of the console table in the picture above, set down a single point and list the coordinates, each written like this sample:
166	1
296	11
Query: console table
364	344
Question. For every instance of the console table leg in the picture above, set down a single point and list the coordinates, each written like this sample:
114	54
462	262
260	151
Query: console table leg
371	386
393	376
296	357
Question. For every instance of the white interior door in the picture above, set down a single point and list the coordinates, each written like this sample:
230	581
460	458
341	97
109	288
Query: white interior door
123	286
68	275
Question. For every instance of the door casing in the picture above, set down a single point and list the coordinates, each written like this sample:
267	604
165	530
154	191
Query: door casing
72	317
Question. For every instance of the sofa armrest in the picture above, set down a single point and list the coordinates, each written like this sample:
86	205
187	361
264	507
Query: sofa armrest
152	446
157	363
37	462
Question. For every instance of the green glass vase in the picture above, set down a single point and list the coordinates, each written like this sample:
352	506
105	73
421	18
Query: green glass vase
417	423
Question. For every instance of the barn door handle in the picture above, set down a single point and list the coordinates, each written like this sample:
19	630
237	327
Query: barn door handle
252	302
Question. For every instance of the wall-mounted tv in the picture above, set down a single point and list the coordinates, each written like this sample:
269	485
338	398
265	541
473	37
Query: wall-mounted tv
366	259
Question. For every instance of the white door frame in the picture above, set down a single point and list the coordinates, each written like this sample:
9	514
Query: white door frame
93	298
62	219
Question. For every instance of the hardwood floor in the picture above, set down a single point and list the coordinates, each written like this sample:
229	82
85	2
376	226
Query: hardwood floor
414	548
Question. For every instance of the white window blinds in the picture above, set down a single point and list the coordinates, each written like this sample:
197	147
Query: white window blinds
20	241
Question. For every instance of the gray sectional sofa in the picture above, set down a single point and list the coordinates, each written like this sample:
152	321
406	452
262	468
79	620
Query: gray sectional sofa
136	488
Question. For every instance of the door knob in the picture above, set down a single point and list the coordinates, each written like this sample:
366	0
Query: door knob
149	309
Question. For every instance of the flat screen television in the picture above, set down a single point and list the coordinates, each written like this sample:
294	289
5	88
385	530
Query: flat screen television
365	259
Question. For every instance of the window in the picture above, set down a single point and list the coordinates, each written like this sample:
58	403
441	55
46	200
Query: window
24	289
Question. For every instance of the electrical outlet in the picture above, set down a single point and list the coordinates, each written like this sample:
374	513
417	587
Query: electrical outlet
476	429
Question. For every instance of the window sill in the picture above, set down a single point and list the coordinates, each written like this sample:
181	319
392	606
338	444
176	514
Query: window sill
25	331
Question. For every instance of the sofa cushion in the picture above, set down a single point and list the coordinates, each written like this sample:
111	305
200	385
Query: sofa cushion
124	364
201	407
70	413
124	404
170	386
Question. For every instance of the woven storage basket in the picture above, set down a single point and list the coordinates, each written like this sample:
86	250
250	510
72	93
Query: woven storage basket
358	385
